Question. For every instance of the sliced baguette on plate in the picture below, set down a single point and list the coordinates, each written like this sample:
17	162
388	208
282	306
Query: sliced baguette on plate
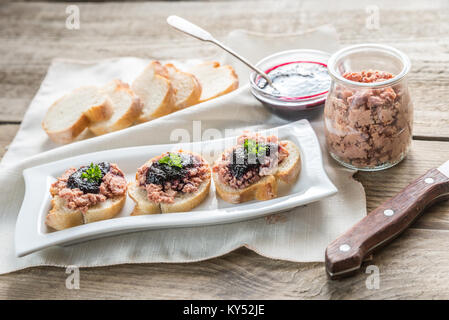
68	116
183	202
266	188
187	87
155	91
215	80
61	217
126	105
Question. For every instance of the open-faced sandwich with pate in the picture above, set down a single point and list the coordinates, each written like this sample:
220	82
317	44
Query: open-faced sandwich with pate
171	182
87	194
252	168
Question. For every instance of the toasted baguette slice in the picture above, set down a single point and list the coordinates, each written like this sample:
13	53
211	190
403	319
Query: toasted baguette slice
155	91
70	115
183	201
60	217
266	188
187	87
215	80
126	105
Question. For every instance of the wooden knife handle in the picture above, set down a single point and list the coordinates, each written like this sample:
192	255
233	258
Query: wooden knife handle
344	256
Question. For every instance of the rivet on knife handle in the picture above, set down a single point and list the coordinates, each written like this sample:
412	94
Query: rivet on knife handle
345	255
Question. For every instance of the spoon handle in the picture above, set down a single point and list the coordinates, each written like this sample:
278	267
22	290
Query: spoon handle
191	29
201	34
242	59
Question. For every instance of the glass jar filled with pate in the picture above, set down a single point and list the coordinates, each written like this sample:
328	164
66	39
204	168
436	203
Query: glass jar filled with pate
368	114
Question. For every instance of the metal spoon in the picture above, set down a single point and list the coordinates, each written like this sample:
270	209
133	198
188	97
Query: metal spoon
201	34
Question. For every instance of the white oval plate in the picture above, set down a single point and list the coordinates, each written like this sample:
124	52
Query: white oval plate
32	234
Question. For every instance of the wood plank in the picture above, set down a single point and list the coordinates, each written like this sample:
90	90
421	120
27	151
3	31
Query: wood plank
380	186
413	267
33	34
7	133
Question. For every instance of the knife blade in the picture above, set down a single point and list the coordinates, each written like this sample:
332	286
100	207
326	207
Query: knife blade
344	256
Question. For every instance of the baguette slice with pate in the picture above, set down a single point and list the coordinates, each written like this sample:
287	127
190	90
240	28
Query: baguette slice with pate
155	91
77	200
182	201
126	105
68	116
266	188
215	80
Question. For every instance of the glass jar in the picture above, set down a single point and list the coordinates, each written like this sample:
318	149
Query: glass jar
368	115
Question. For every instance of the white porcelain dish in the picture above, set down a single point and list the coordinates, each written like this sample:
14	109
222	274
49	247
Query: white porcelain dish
32	234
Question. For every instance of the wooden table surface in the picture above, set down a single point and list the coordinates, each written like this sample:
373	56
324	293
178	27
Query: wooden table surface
416	265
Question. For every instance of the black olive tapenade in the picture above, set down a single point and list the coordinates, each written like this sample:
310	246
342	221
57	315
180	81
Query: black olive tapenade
76	180
159	173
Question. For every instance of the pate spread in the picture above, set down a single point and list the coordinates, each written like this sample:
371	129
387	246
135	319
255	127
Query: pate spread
368	127
81	193
253	157
172	173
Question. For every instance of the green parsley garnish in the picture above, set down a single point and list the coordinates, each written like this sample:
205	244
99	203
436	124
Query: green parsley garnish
252	147
92	174
172	159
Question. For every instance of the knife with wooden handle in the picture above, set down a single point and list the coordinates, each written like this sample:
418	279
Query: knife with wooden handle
344	256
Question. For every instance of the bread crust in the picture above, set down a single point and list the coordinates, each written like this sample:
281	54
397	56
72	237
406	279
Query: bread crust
127	119
69	134
167	105
290	173
94	214
60	217
264	189
100	112
267	187
195	94
232	86
95	113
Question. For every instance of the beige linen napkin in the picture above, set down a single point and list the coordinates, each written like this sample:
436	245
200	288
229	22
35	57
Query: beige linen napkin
299	235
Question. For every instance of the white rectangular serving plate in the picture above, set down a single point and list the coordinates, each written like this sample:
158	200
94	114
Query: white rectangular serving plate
32	234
